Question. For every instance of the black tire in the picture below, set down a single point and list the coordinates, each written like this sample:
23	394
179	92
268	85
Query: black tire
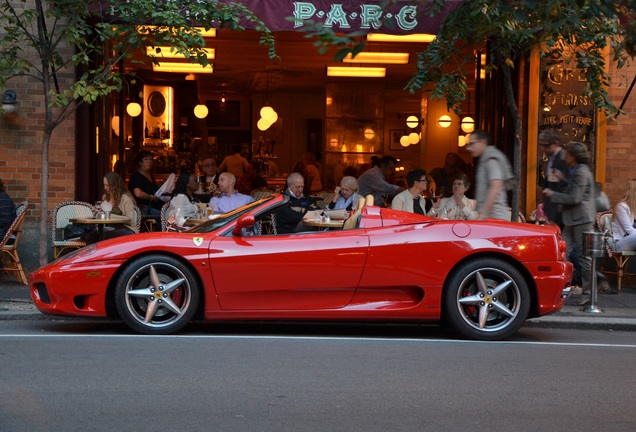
156	295
486	299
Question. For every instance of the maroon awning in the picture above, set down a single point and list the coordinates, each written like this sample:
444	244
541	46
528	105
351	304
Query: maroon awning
402	16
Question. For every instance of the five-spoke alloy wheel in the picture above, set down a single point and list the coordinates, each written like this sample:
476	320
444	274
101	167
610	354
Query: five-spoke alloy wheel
157	294
486	299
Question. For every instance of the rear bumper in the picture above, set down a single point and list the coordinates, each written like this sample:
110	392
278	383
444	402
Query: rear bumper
552	280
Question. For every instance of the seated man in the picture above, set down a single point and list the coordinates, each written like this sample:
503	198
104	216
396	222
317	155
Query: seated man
229	199
289	217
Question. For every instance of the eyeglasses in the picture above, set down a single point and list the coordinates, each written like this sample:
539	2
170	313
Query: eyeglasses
472	143
209	164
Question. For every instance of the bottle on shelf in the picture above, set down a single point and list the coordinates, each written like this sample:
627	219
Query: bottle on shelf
146	132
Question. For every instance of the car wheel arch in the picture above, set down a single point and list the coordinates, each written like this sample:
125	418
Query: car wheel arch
111	308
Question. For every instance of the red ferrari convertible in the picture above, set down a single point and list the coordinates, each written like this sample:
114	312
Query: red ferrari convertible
483	278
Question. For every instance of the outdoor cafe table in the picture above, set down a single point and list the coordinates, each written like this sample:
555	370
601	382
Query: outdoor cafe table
101	222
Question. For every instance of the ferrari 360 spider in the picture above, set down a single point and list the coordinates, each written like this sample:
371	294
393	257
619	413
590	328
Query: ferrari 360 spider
483	278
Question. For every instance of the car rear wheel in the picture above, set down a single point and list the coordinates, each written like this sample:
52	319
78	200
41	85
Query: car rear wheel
157	294
486	299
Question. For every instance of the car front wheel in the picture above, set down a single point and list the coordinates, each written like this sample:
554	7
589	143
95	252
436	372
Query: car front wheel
486	299
156	295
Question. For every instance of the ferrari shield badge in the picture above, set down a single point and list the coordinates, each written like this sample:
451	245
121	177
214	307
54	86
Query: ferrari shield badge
198	241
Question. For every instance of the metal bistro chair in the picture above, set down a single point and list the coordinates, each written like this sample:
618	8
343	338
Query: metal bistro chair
604	225
10	251
60	219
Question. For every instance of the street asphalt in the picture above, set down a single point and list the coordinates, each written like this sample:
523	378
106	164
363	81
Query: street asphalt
613	311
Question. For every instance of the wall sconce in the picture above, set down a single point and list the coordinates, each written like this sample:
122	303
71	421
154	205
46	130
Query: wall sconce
9	102
444	121
413	122
114	123
369	133
468	124
133	109
200	111
404	141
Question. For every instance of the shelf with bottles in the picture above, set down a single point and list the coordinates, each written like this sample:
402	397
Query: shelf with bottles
157	132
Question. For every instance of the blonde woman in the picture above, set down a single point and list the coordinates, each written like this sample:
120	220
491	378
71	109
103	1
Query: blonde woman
122	202
623	219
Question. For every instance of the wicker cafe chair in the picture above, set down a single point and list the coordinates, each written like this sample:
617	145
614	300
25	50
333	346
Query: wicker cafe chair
9	252
164	216
326	198
60	219
604	225
136	220
261	193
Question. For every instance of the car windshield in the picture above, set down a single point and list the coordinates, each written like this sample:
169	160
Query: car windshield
225	218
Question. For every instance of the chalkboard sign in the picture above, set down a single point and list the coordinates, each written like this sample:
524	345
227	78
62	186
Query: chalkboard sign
564	107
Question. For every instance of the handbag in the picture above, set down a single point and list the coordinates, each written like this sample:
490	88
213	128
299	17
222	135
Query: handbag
72	231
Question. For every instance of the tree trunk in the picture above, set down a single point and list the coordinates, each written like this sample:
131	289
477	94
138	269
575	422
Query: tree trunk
516	119
44	193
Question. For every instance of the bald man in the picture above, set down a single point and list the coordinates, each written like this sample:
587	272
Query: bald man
229	199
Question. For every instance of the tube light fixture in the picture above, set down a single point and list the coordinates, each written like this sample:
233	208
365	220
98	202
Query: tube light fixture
171	52
359	72
205	33
182	67
377	57
416	37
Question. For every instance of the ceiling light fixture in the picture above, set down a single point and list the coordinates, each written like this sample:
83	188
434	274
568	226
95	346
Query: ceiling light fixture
171	52
377	57
358	72
201	111
182	68
133	109
416	37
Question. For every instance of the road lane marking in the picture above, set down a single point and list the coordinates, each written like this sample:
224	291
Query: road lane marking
317	338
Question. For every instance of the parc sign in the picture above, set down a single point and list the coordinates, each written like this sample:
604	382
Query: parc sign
400	17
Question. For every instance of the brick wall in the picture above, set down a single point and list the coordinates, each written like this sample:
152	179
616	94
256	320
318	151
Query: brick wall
21	161
621	135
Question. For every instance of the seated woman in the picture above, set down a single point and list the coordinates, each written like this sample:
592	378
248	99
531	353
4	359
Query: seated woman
345	196
121	202
457	206
623	229
183	203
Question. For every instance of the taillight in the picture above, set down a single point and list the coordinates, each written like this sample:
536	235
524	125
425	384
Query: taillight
562	249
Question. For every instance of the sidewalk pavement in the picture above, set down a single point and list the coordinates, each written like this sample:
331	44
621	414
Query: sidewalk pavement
619	310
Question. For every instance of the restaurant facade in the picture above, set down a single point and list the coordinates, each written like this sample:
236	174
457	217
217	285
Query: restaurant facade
344	120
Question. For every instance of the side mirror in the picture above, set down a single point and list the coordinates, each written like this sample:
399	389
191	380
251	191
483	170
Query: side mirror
244	221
